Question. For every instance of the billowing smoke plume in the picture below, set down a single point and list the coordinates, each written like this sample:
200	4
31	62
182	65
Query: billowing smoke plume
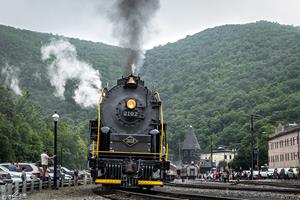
11	78
66	66
131	19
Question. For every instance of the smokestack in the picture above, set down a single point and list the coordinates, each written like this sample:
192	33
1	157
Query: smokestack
131	19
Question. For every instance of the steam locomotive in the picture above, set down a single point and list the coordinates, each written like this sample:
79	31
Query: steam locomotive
128	143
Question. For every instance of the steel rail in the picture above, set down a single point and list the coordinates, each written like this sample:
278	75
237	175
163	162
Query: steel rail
237	187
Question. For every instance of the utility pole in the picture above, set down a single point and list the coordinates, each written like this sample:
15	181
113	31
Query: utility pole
211	153
252	130
257	154
61	156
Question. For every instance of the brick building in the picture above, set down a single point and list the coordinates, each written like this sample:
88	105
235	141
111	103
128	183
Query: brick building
284	147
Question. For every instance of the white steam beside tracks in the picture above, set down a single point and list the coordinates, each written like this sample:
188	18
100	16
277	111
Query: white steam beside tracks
11	80
66	66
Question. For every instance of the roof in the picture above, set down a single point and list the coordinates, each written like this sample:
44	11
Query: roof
190	141
285	131
215	151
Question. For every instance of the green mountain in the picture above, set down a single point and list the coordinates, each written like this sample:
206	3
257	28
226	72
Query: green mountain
212	80
215	79
22	49
26	126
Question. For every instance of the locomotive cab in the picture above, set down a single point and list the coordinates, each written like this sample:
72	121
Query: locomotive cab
128	141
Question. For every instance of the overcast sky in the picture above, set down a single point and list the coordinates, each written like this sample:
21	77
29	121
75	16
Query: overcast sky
86	19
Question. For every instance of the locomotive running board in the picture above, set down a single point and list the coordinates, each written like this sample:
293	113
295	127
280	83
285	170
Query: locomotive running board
118	182
108	181
145	182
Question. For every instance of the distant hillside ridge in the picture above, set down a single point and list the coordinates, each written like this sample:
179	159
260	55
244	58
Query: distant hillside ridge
215	79
22	49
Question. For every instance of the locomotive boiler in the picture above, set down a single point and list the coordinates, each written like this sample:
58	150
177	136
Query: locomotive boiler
128	143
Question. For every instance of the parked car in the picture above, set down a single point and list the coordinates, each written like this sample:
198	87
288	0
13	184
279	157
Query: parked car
270	172
5	178
85	173
60	174
67	171
255	174
16	176
296	172
263	172
31	169
292	173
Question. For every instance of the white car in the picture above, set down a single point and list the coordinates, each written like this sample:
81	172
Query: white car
270	172
31	170
264	174
292	173
15	176
64	175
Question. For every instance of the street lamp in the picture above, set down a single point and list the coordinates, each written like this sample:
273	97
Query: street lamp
55	117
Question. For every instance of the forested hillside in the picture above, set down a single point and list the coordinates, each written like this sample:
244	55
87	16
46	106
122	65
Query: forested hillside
25	132
22	50
26	126
215	79
212	80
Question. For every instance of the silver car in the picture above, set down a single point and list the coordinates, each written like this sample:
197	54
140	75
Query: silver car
5	177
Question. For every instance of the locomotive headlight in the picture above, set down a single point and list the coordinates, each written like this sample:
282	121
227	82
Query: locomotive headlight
131	104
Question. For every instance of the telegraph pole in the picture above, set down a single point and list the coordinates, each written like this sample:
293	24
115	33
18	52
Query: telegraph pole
211	153
252	130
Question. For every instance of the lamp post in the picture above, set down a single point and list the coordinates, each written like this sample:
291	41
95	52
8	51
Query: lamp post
55	117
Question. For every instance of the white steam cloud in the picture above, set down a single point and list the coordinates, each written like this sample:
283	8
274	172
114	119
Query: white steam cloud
66	66
10	78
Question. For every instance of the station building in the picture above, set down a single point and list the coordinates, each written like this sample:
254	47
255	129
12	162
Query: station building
190	148
219	155
284	147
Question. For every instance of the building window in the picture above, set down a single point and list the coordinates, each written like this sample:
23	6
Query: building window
185	153
285	157
293	141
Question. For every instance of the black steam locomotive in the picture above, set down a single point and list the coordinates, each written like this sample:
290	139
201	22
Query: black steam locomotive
128	138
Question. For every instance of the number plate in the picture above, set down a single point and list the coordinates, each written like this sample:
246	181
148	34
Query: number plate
129	113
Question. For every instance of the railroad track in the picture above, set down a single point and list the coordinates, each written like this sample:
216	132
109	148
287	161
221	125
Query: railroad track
122	194
239	187
295	184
